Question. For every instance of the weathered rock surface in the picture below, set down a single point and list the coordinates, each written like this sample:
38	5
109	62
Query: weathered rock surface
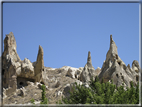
114	68
27	69
15	72
88	71
98	70
57	84
74	72
10	63
39	65
23	79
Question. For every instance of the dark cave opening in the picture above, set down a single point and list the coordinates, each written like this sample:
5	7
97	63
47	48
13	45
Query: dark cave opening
137	78
119	63
42	82
117	75
22	82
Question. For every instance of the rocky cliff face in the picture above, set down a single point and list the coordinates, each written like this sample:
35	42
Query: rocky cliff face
23	79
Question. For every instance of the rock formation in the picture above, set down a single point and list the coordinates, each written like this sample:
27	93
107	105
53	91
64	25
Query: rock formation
39	65
24	78
10	62
88	71
74	72
114	68
98	70
27	69
16	73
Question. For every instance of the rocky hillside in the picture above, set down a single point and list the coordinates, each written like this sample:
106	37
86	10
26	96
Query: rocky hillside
22	80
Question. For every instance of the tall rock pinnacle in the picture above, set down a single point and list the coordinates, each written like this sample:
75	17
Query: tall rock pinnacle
39	66
113	67
10	62
10	47
111	39
89	61
88	71
112	52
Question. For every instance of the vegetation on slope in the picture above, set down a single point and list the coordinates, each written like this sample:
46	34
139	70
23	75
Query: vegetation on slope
103	93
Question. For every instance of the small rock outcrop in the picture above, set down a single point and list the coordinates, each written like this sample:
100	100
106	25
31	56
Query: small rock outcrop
27	69
88	71
98	70
74	72
114	68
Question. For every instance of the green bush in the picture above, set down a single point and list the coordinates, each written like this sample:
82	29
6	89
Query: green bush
32	101
44	99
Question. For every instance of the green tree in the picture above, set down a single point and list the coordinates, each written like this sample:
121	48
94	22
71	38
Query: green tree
44	99
103	93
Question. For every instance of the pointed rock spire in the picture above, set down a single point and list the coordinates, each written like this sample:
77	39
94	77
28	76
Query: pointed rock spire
10	47
113	47
88	71
89	61
111	39
113	66
40	54
112	52
39	62
10	62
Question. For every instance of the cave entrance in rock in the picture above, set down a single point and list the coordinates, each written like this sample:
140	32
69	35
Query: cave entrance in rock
119	63
137	78
22	82
42	83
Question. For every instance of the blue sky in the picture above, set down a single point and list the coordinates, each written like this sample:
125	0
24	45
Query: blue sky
67	31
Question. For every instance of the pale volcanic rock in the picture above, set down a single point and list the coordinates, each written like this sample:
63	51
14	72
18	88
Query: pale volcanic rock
135	66
24	78
88	71
65	68
98	70
39	65
27	69
10	60
17	72
114	68
73	72
10	48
